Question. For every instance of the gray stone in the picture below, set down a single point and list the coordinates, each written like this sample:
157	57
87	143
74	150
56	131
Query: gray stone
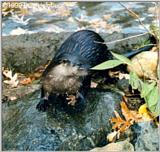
24	53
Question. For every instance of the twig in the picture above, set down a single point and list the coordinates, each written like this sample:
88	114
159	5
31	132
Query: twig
157	14
122	39
137	17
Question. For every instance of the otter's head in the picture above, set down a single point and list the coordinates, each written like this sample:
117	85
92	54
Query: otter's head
64	78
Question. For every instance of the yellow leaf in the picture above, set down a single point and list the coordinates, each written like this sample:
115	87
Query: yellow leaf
142	109
146	116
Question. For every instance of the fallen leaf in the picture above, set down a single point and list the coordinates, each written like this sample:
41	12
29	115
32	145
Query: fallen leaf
13	82
120	124
112	136
7	73
129	115
143	111
154	49
26	81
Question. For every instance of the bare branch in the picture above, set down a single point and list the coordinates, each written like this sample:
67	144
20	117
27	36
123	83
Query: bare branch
122	39
137	17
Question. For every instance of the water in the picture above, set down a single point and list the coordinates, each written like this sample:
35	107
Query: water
72	16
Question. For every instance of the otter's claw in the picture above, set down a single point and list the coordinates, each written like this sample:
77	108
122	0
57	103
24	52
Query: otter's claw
72	100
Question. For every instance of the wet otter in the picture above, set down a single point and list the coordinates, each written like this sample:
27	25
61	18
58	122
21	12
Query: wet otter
69	73
68	76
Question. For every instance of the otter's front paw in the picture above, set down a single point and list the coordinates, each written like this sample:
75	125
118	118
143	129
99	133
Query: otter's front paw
43	105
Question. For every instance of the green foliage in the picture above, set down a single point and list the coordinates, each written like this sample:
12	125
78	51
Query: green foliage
147	88
148	91
141	43
122	58
107	65
155	30
112	63
134	81
152	100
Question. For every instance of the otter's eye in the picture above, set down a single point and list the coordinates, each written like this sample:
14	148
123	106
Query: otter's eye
64	61
79	64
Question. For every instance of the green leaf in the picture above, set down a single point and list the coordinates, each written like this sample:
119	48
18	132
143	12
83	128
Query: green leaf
157	110
146	88
107	65
122	58
134	81
152	100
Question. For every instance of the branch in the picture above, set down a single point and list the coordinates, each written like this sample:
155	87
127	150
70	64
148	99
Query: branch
122	39
157	12
137	17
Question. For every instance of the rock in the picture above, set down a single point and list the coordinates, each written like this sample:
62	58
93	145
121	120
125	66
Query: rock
24	128
118	146
28	51
146	137
19	92
123	85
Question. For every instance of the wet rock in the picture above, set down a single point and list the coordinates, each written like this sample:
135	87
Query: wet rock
118	146
146	137
24	128
28	51
19	92
126	45
123	85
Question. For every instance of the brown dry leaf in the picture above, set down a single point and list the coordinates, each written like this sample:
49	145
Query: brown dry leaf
26	81
131	116
112	136
35	76
38	72
13	82
144	69
120	124
154	49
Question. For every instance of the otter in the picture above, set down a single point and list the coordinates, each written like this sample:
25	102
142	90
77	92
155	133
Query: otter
69	72
68	76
